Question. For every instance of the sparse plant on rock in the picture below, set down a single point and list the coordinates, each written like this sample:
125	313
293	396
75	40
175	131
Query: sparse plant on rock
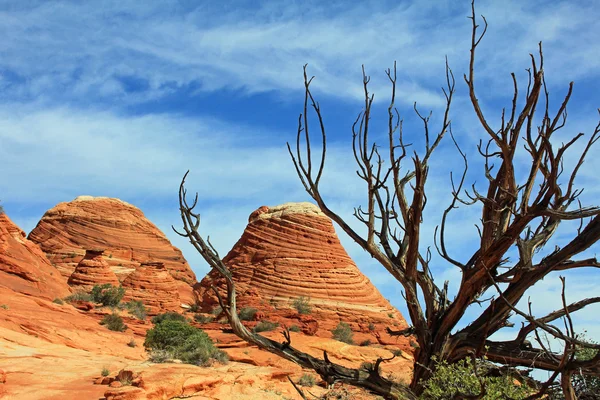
105	371
79	296
179	340
114	322
265	326
137	309
131	343
307	380
58	301
366	342
247	313
294	328
203	319
168	316
107	294
302	305
343	333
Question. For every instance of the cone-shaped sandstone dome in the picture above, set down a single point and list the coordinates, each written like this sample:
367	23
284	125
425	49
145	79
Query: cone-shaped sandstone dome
92	270
154	286
122	230
292	250
24	267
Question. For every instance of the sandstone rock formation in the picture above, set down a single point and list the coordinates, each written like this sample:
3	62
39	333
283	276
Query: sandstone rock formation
24	267
290	251
128	237
154	286
92	270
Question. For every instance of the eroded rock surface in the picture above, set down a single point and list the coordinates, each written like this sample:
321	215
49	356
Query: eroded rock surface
154	286
291	251
24	267
92	270
122	230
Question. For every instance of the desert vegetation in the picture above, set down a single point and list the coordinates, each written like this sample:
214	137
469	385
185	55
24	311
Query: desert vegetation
302	305
114	322
527	193
173	338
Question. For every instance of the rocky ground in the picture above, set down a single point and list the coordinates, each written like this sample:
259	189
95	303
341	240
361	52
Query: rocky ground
59	350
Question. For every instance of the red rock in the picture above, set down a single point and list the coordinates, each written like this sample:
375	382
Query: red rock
24	267
128	237
290	251
92	270
154	286
82	305
115	384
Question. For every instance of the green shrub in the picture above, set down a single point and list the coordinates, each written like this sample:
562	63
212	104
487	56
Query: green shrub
137	309
366	342
58	301
168	316
302	305
397	352
294	328
217	310
177	339
203	319
105	371
451	380
107	294
131	343
247	313
194	308
343	333
264	326
306	380
585	386
371	326
79	296
4	306
114	322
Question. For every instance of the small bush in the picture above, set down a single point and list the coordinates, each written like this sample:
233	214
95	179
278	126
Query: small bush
217	310
168	316
79	296
114	322
137	309
160	356
294	328
366	342
131	343
194	308
203	319
247	313
371	326
105	371
391	315
306	380
4	306
451	380
343	333
58	301
177	339
397	352
107	294
302	305
264	326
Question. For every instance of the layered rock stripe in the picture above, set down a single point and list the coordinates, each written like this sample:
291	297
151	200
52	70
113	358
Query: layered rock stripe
24	267
292	250
92	270
121	229
154	286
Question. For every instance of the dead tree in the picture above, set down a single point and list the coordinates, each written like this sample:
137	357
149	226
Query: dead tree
515	213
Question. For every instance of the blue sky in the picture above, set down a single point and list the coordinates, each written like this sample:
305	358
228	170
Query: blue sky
120	98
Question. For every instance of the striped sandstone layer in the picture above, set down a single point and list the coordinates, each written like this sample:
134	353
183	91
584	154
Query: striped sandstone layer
92	270
292	250
154	286
24	267
126	235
